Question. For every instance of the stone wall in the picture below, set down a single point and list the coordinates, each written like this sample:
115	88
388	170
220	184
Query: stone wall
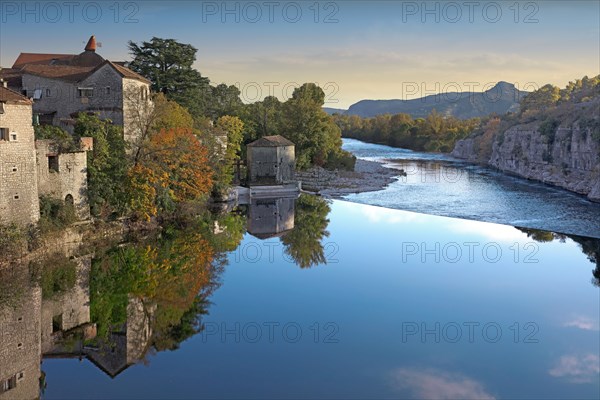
69	180
18	179
20	344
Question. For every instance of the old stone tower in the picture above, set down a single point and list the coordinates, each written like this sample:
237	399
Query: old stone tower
19	203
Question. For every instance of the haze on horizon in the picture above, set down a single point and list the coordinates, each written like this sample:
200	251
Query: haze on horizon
354	49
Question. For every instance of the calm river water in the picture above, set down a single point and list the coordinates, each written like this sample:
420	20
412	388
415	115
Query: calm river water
309	298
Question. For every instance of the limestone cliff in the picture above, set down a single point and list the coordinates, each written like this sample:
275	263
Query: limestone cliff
562	149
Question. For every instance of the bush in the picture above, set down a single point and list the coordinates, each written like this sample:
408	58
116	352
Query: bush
341	160
58	274
55	214
62	138
548	128
13	240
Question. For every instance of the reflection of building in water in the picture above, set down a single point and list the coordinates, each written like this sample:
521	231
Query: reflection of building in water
20	347
126	347
32	327
271	217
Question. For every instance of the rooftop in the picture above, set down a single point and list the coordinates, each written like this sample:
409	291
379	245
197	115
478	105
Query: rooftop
12	97
271	141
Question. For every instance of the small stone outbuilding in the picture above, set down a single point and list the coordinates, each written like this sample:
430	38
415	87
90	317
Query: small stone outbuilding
271	161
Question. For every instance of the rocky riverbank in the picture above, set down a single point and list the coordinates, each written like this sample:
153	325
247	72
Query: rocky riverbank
368	176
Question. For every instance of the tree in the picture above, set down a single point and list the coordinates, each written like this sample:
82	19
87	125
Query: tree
107	164
541	99
168	65
173	169
310	128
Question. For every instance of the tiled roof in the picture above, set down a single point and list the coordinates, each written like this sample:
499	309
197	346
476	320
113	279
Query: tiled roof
9	96
62	72
127	73
271	141
41	58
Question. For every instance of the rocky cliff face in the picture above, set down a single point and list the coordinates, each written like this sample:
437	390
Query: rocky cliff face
568	157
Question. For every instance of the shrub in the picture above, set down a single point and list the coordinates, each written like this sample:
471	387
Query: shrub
13	240
55	214
341	160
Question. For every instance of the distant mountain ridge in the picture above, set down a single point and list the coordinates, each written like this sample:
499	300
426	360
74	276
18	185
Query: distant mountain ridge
500	99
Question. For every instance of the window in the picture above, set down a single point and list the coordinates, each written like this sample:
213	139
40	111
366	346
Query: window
85	92
14	168
13	136
108	90
4	134
16	196
37	94
20	376
8	384
19	346
57	321
48	92
53	163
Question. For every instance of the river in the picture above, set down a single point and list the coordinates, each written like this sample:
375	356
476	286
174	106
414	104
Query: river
441	185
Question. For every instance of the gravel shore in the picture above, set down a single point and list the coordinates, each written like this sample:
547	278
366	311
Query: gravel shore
368	176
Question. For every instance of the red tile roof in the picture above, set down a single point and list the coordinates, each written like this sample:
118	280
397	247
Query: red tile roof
127	73
41	58
12	97
62	72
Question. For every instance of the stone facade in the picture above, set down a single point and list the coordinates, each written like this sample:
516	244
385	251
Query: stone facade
19	202
271	161
20	339
63	176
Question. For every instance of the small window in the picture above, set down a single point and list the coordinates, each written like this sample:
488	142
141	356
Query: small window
48	92
14	168
37	94
13	136
85	92
4	134
20	319
20	376
57	321
19	346
108	90
16	197
53	163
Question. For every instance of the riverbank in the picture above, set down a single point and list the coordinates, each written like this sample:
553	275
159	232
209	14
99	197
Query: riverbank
368	176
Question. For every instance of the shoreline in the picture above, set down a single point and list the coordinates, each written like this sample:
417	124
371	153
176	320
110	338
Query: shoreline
368	176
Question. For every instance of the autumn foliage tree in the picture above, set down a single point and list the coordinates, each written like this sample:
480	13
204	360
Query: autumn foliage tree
173	169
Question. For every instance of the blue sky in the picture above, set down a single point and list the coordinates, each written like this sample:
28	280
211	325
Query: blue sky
354	49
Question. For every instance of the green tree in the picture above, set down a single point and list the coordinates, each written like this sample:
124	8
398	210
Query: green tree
107	164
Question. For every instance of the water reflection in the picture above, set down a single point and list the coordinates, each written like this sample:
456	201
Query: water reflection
123	304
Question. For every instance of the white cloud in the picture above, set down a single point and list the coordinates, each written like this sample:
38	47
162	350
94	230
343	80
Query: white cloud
584	323
577	369
435	384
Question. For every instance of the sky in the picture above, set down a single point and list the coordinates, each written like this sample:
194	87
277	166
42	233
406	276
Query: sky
353	49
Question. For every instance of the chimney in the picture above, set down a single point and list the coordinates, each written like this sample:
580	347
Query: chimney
91	44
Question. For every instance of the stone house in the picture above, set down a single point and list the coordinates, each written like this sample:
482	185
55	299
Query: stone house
63	175
19	203
63	85
271	161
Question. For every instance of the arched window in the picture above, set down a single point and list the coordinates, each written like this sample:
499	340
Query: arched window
69	200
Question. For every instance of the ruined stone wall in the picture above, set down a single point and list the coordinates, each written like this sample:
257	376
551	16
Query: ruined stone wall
19	202
136	107
69	180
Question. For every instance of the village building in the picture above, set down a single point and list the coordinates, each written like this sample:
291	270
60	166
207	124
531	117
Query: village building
271	161
63	85
19	203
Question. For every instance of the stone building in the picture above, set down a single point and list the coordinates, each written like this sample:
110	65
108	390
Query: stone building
63	175
271	161
63	85
19	202
20	339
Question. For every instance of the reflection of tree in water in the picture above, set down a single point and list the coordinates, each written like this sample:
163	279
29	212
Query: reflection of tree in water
172	279
589	246
303	243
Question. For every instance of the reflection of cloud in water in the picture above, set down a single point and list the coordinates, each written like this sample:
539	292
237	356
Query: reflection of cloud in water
436	384
380	214
577	369
501	233
584	323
